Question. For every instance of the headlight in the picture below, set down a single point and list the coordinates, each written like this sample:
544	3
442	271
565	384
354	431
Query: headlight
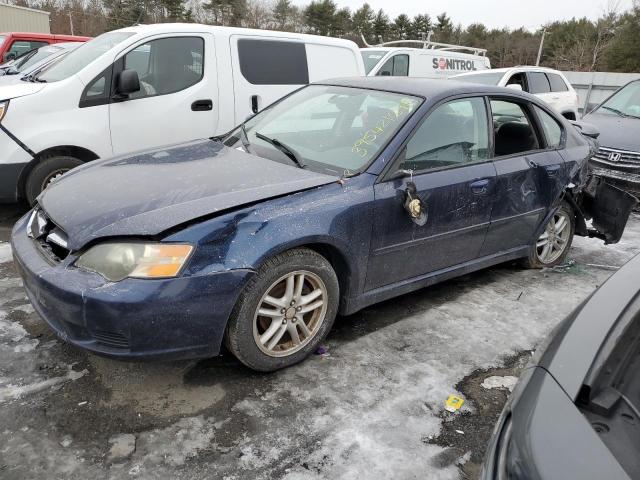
117	261
3	109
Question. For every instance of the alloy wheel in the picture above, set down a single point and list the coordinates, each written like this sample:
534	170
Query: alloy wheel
554	240
290	313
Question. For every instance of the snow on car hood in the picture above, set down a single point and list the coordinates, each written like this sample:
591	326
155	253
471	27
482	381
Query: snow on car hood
150	192
11	90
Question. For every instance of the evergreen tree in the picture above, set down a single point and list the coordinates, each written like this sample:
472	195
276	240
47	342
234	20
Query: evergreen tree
401	27
283	14
363	19
319	16
381	26
420	26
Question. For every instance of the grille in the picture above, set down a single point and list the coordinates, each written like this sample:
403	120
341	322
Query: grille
111	339
50	239
618	159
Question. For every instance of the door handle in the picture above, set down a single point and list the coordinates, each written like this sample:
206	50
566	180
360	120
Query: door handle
531	163
254	103
202	105
552	170
480	187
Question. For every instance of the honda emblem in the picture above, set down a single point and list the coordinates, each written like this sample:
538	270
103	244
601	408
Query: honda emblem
614	157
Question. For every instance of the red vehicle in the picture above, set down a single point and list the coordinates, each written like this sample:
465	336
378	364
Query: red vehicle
14	44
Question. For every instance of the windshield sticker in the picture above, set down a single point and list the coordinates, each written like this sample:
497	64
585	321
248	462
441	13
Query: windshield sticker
370	136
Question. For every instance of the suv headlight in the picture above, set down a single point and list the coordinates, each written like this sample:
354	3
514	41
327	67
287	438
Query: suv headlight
117	261
3	109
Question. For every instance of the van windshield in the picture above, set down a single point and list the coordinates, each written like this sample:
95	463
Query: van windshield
490	78
83	56
371	58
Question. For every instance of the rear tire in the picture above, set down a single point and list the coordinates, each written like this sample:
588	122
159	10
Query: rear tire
45	171
553	245
284	312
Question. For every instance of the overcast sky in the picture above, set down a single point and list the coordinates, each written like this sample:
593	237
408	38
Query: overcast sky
493	13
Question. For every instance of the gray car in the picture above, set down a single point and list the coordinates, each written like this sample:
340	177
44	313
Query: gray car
618	120
575	413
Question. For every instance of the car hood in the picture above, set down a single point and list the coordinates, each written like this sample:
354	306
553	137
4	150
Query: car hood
616	132
148	193
9	90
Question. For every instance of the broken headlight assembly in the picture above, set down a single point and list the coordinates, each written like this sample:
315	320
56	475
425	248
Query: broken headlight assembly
116	261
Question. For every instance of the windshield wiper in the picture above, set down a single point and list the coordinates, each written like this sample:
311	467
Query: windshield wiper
283	148
616	111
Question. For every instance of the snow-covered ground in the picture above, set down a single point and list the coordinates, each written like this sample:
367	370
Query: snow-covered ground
367	410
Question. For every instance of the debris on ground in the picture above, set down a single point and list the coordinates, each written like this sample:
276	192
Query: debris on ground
122	447
66	441
453	403
495	381
564	268
322	351
603	267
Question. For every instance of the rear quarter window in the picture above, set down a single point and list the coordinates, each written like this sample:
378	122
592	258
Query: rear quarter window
273	62
557	83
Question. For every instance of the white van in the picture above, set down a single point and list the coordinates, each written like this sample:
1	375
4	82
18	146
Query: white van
433	60
149	86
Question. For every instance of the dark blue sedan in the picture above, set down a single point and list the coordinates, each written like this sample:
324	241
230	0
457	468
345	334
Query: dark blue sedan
336	197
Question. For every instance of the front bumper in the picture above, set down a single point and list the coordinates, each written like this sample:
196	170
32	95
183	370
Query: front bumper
627	179
175	318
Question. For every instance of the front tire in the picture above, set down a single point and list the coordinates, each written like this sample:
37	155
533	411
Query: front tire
284	312
45	172
552	246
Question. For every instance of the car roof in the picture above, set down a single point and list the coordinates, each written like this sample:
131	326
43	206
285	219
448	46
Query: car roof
519	68
421	87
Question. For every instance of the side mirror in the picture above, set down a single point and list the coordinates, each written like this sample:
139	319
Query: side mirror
515	86
586	129
8	57
128	83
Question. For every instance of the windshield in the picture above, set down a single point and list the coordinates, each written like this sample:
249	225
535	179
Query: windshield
334	130
626	102
83	56
491	78
371	58
23	63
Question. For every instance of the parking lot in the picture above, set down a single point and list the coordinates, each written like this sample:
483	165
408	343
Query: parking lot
373	403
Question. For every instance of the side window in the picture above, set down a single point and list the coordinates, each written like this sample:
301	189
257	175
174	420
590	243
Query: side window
98	91
557	83
552	129
273	62
518	79
538	83
454	134
396	66
166	65
513	132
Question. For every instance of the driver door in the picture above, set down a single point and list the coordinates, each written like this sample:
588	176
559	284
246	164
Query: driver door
454	179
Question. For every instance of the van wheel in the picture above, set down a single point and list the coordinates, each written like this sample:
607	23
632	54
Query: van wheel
552	246
284	312
47	171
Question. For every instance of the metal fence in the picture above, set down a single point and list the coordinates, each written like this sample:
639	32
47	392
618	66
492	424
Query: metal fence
594	87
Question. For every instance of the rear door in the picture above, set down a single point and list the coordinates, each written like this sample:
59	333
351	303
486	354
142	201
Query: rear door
539	86
564	99
454	180
530	175
264	70
177	101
